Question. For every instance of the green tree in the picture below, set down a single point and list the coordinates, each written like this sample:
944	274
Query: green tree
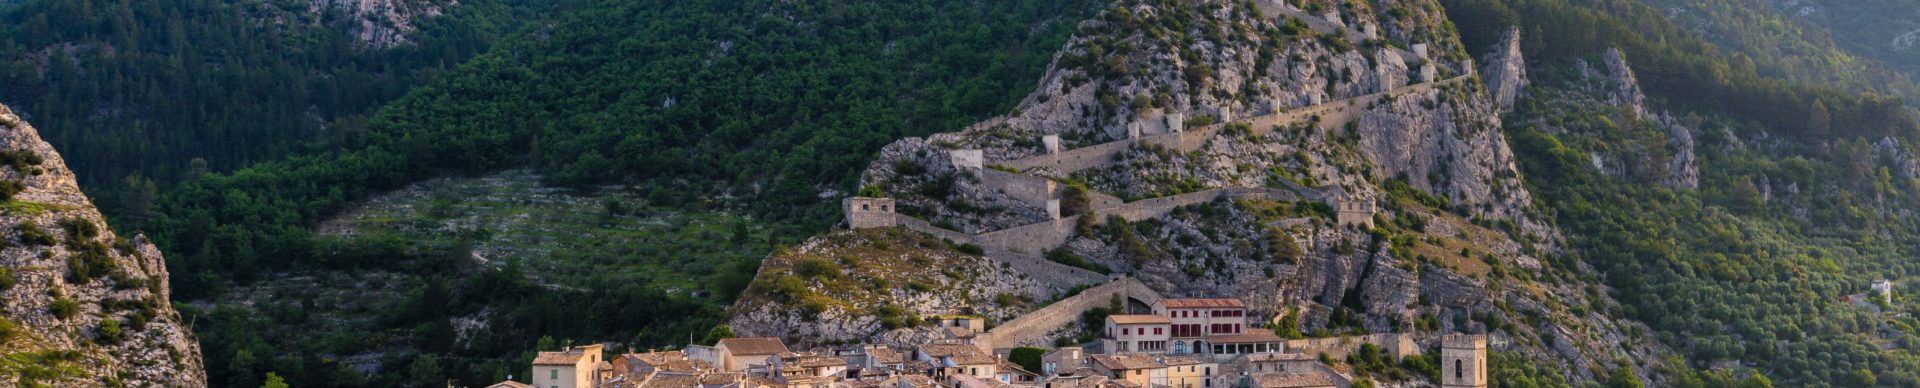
274	381
425	371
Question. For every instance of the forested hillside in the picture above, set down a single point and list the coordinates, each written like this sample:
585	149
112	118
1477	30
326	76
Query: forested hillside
1887	30
762	108
154	92
1806	193
1788	40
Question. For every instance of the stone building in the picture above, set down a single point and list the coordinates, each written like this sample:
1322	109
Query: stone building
865	212
575	367
1354	211
1193	320
1463	361
1135	333
739	354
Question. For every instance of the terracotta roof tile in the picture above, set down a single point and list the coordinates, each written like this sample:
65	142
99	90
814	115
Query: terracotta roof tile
1250	336
1203	303
755	346
1127	361
1138	319
1292	380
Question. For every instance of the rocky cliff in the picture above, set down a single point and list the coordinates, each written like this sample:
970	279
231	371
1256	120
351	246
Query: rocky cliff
1315	107
79	304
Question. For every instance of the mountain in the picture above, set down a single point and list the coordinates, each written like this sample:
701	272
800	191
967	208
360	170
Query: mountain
1231	131
693	118
83	306
1854	46
1619	192
1887	30
157	92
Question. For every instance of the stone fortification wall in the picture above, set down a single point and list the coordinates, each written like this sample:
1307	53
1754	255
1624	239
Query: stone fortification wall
1058	275
1026	188
1397	345
1035	239
1159	207
1070	161
1038	323
918	225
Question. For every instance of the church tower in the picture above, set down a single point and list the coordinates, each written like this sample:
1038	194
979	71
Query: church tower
1463	359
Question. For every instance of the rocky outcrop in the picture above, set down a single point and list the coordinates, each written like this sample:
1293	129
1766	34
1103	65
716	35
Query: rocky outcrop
73	294
382	24
1615	85
849	286
1505	70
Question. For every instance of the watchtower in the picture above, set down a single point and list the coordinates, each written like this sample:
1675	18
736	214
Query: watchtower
866	212
1463	359
1354	211
1052	142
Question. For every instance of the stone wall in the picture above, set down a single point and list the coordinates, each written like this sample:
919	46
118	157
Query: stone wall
1033	190
918	225
1053	274
1067	311
1035	239
1397	345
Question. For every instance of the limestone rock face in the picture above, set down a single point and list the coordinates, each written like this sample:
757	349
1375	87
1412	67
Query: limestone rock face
867	283
382	24
1505	70
70	286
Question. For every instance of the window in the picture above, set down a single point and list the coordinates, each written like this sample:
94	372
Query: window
1126	331
555	373
1156	331
1456	369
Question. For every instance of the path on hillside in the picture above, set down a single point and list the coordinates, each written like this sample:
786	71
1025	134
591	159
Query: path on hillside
1023	247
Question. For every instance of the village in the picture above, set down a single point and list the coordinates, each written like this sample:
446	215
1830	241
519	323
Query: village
1147	341
1180	343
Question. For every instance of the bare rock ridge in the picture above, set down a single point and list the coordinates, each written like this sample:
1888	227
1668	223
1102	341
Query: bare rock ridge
382	24
73	294
1505	70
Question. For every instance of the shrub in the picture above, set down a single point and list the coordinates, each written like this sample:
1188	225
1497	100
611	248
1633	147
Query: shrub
32	235
64	308
816	268
6	279
6	330
109	332
971	249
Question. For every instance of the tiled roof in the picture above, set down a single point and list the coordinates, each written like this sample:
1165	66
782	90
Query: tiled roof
674	361
558	358
813	361
1127	361
885	356
1139	319
720	378
944	350
1182	361
1203	303
509	384
1252	335
1275	357
670	381
756	346
1292	380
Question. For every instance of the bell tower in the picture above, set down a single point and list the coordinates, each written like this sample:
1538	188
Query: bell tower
1463	361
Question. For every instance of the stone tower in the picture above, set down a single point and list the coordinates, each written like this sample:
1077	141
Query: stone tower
1463	361
863	212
